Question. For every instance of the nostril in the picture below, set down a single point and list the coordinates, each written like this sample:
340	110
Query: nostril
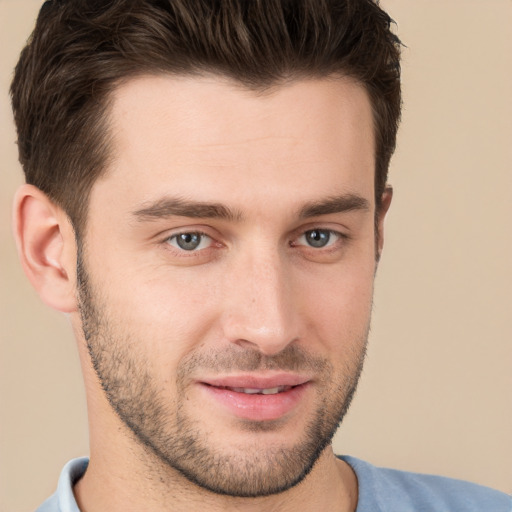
246	344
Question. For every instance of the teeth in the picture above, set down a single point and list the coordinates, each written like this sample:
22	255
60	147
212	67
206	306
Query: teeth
271	391
248	391
255	391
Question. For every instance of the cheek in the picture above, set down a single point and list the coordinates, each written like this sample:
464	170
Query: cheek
167	311
338	303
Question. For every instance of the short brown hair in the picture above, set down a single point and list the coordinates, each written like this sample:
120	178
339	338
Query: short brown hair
81	50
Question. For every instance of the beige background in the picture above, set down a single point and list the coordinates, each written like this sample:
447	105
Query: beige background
436	395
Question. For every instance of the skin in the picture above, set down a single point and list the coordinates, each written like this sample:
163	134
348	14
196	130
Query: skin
155	322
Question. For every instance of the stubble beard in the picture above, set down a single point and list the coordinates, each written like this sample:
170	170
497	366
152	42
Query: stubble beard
174	440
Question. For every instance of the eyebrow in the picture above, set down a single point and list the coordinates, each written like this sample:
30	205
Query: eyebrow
334	204
169	207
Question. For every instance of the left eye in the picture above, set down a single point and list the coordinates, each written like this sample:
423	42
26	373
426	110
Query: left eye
190	241
319	238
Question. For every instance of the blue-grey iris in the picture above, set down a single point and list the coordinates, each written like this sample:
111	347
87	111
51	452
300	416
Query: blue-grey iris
188	241
318	237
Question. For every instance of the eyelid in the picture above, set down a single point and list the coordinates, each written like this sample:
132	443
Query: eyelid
199	229
338	231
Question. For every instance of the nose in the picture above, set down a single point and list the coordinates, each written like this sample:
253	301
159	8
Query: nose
261	304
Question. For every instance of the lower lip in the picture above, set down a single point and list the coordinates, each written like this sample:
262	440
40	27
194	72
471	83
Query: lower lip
258	407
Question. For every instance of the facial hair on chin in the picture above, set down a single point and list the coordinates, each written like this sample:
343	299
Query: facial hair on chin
174	440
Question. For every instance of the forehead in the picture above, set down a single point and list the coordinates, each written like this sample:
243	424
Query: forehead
193	136
204	96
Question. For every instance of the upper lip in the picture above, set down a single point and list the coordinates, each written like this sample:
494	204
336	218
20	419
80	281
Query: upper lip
253	381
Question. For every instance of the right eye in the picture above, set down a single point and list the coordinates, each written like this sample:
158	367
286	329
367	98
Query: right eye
190	241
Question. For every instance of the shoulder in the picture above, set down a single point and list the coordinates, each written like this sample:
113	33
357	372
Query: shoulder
63	500
382	490
50	505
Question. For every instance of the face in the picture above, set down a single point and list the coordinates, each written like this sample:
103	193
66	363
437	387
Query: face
226	274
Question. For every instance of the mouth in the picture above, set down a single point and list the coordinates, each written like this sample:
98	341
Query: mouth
257	398
258	391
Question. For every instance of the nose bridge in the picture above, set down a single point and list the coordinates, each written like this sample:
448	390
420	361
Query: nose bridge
261	310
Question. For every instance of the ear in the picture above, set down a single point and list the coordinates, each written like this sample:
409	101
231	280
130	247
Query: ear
46	246
385	203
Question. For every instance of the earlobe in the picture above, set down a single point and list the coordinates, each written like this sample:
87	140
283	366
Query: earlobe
385	203
46	246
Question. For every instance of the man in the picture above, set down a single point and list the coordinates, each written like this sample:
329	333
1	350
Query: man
206	197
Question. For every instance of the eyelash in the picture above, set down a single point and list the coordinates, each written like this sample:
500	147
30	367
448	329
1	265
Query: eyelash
340	237
176	236
324	231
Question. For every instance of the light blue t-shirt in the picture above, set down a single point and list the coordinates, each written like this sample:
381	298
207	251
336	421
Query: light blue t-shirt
380	490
